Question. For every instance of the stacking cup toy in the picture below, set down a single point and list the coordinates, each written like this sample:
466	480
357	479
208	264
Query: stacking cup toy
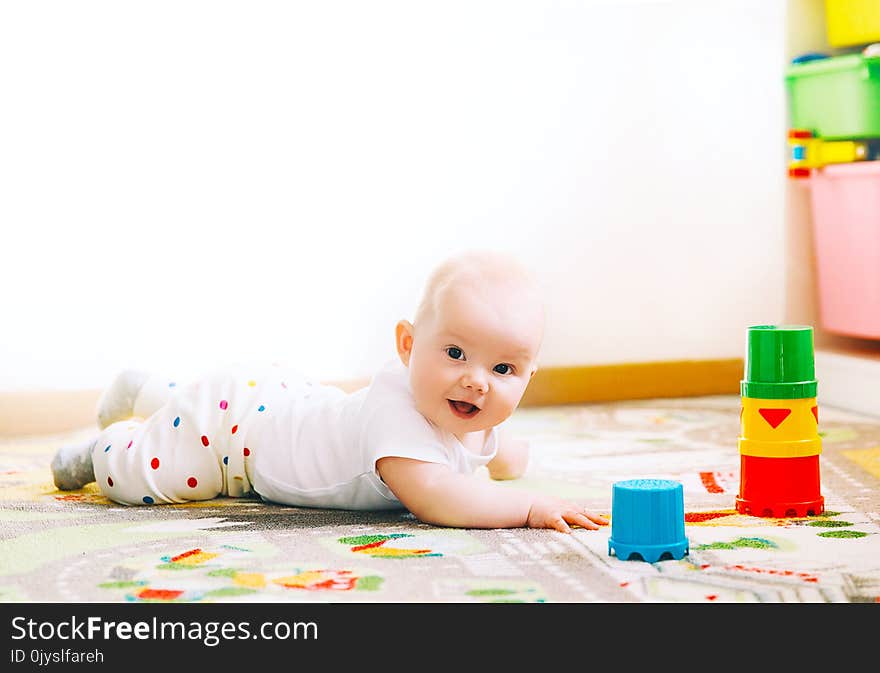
779	442
647	520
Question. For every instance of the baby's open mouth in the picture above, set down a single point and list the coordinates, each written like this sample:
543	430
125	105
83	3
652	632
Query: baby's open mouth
463	409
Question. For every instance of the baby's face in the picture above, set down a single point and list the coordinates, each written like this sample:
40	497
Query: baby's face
472	360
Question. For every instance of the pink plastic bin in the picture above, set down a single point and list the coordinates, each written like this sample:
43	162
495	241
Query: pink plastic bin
846	229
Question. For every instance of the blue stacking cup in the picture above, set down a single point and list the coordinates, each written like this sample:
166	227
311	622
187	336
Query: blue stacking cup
647	520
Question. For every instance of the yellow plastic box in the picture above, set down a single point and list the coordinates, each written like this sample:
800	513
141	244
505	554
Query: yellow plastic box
852	22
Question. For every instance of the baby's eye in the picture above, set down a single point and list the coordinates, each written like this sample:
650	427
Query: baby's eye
455	353
503	369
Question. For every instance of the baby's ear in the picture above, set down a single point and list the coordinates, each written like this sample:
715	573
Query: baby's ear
403	337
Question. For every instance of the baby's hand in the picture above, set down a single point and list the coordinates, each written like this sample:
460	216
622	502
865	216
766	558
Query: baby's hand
549	512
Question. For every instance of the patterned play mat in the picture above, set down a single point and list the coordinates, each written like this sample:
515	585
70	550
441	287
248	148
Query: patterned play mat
79	547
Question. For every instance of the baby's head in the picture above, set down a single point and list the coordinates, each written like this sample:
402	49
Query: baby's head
473	345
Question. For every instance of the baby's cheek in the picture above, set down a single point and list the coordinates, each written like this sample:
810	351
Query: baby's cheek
515	394
506	402
425	382
427	405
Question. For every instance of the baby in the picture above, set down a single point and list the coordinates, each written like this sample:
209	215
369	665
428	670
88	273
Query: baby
412	438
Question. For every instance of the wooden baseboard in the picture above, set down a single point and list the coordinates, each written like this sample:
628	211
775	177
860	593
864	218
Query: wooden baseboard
848	379
46	412
57	411
632	381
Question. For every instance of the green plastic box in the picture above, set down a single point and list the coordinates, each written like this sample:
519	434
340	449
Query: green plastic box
836	97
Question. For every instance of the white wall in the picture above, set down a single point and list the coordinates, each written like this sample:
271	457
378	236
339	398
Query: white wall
186	183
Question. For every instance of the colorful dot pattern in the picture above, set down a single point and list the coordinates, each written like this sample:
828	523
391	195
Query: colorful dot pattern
159	465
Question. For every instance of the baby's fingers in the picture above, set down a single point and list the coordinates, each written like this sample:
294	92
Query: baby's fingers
596	518
559	524
580	519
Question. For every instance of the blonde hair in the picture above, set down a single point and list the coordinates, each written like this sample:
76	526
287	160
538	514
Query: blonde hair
479	268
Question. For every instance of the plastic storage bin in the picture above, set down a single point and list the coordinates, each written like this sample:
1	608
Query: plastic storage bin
852	22
836	97
846	233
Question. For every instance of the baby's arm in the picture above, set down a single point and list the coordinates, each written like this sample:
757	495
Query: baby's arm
511	459
437	495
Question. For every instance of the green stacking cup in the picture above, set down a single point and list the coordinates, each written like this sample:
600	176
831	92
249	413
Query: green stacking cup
780	363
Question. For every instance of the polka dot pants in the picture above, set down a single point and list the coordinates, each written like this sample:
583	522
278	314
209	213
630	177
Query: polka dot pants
193	447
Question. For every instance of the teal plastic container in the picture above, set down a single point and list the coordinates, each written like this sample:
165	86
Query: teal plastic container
836	97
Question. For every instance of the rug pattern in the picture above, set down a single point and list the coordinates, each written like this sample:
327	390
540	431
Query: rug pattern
80	547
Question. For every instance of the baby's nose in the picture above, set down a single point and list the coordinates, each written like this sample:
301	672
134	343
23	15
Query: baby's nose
475	381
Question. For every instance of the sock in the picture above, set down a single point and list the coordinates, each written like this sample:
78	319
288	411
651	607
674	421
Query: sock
72	466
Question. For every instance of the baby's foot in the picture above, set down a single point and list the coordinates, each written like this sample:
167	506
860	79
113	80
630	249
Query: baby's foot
117	402
72	466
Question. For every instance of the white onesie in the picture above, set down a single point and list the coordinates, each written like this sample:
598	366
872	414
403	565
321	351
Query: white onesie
273	433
